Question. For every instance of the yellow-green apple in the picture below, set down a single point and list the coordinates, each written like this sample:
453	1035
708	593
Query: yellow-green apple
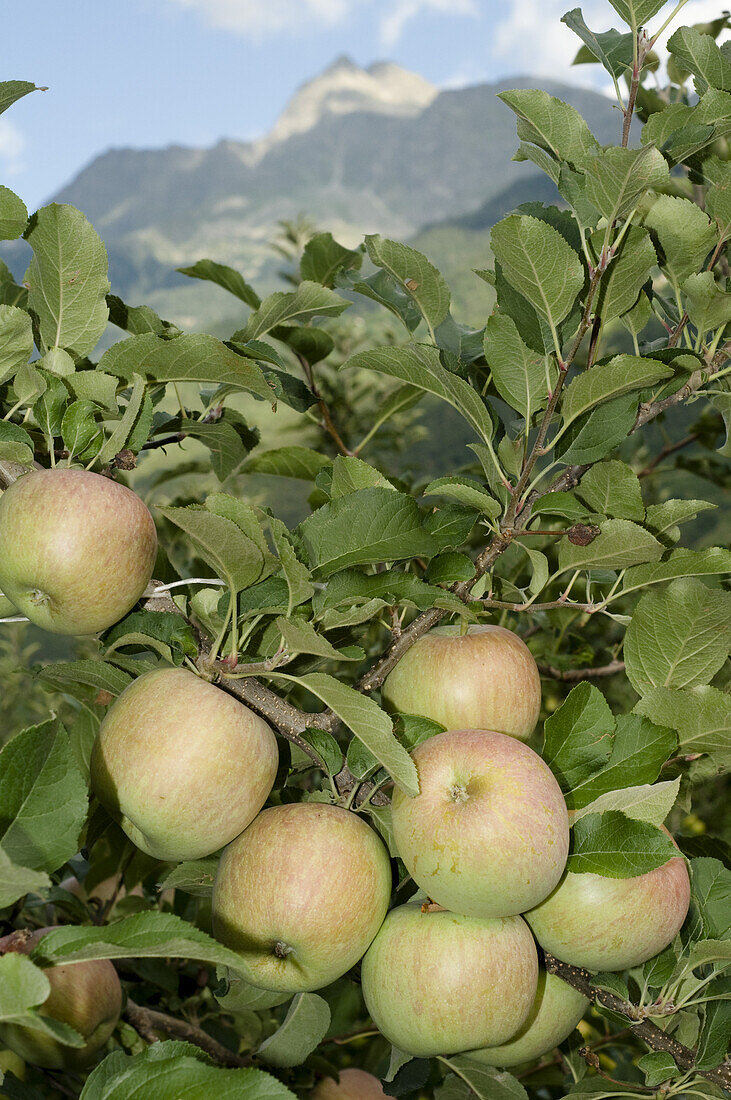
87	996
484	679
181	765
76	549
301	894
556	1011
613	923
435	982
353	1084
488	833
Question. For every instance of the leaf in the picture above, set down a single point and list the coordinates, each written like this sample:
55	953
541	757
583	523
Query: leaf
228	452
13	215
16	340
420	365
539	263
637	12
700	55
711	896
13	90
23	989
162	626
171	1070
485	1082
646	802
715	1036
614	846
522	377
578	736
609	380
639	751
79	427
613	489
684	232
701	716
17	881
626	275
43	798
414	274
225	277
467	491
15	444
616	178
663	519
657	1066
283	308
552	125
301	637
96	386
67	280
323	258
95	674
138	320
125	426
194	877
368	722
350	474
620	544
707	305
296	574
612	49
304	1026
596	434
221	543
678	637
363	528
678	563
295	461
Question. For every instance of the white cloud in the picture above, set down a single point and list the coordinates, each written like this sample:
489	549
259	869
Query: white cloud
259	18
12	147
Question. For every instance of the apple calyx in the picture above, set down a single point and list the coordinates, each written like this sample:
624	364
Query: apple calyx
282	950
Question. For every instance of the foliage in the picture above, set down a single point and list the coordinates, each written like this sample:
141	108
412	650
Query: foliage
506	473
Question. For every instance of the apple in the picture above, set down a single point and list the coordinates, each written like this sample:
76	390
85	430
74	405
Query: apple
613	923
301	894
488	834
435	982
77	549
556	1011
484	679
87	996
181	765
353	1084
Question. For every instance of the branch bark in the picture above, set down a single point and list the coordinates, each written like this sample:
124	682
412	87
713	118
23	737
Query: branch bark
575	675
147	1021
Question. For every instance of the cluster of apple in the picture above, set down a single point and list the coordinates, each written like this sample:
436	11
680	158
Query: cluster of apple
303	890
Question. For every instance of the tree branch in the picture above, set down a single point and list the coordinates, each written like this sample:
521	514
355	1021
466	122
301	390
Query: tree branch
574	675
670	449
645	1029
146	1021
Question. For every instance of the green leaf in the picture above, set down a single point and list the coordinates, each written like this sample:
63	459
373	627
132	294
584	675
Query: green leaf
596	434
367	721
171	1070
16	340
301	637
485	1082
684	233
701	716
195	876
364	528
414	274
96	386
139	319
637	12
221	543
578	736
715	1036
15	444
552	125
627	273
94	674
678	563
613	489
43	799
678	637
605	381
639	751
663	519
620	544
616	178
700	55
67	280
612	49
23	989
161	626
707	305
522	377
467	491
123	429
614	846
295	461
225	277
657	1066
296	574
17	881
309	300
191	358
646	802
78	427
13	215
711	896
323	258
13	90
350	474
304	1026
228	451
421	365
539	263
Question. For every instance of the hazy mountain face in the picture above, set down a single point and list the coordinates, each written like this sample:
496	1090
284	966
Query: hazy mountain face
356	150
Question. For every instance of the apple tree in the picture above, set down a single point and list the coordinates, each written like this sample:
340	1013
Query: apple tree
386	669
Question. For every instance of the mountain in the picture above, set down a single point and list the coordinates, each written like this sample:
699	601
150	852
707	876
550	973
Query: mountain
356	150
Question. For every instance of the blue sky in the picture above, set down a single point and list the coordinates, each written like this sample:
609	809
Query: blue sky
157	72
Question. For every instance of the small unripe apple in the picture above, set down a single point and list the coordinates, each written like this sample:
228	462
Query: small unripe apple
183	766
484	679
87	996
301	894
352	1084
77	549
556	1011
438	983
488	833
613	923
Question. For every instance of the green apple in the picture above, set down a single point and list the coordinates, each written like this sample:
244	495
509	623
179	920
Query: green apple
556	1011
613	923
87	996
488	834
438	983
301	894
77	549
181	765
484	679
352	1084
